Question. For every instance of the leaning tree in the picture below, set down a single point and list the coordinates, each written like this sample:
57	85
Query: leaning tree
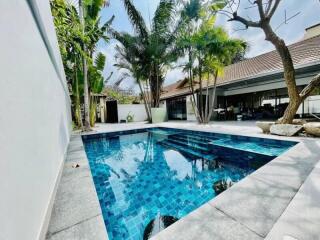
266	10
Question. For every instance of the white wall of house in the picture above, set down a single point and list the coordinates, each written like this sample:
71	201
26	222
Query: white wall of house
191	116
313	105
35	120
137	110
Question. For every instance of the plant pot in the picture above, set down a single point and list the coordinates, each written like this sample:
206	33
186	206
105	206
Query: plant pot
265	126
158	115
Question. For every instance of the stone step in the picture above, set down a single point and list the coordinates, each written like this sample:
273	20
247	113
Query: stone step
188	143
193	151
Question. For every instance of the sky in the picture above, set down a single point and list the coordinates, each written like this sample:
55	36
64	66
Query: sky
293	31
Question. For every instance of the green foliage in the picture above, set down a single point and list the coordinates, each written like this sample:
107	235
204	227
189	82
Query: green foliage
191	10
148	53
100	61
120	97
218	5
72	40
96	78
208	49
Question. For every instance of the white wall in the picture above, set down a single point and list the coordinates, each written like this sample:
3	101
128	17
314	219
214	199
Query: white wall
34	118
138	110
314	104
191	116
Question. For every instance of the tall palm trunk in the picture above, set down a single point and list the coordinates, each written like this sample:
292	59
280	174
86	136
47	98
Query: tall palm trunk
200	92
193	93
206	113
145	101
77	108
213	99
85	75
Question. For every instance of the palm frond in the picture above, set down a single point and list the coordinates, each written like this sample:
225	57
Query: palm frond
136	19
163	17
108	78
100	61
93	8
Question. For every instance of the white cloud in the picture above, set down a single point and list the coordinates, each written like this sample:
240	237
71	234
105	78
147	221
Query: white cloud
174	75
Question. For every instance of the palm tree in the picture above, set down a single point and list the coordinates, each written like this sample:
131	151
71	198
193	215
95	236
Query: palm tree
78	46
70	38
90	20
129	57
85	73
156	45
96	82
208	49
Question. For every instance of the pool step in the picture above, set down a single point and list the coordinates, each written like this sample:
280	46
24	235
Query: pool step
188	150
213	144
228	144
195	137
185	143
189	139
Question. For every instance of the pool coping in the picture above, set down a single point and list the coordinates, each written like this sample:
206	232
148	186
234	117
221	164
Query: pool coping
232	224
76	212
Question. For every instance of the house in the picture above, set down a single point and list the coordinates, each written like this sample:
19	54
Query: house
254	88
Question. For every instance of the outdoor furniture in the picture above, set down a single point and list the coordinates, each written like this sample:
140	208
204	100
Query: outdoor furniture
221	114
239	117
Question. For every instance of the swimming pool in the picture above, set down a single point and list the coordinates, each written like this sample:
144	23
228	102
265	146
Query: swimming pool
146	179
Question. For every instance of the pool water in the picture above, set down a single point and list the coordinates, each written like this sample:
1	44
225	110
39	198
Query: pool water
143	175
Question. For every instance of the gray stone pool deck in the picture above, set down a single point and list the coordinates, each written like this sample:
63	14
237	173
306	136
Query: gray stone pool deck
281	200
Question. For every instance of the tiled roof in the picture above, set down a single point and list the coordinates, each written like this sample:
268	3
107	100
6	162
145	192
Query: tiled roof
303	52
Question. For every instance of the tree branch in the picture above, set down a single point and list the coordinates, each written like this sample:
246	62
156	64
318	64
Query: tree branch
315	82
273	9
268	7
260	8
244	21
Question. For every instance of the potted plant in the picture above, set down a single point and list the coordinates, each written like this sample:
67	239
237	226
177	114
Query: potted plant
130	117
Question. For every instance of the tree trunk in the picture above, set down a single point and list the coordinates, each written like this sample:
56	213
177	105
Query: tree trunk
200	92
78	116
211	106
289	72
206	113
145	101
191	86
195	106
85	76
290	112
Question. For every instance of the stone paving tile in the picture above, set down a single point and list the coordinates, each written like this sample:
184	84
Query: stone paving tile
255	203
76	202
206	223
76	155
70	172
87	230
292	228
292	168
301	219
75	148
